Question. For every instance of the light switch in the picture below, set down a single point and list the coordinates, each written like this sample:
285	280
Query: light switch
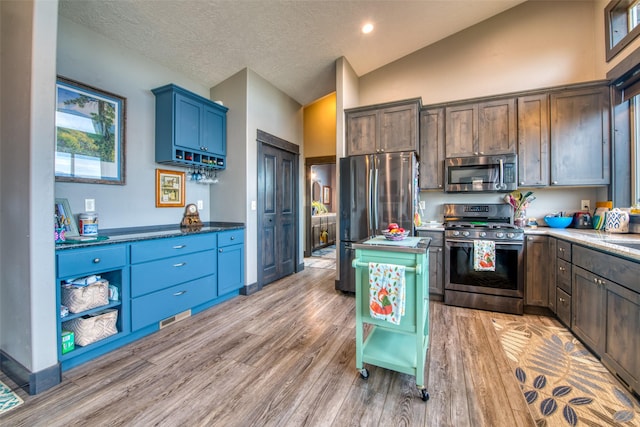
200	205
89	205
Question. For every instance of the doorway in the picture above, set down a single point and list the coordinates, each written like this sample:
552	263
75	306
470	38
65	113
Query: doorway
277	208
321	203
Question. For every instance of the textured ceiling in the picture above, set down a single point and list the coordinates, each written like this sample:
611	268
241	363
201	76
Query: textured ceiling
293	44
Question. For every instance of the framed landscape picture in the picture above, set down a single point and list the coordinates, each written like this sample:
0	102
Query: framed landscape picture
90	134
169	188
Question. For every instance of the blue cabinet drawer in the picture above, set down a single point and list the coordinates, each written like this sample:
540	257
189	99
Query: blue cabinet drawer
159	305
231	237
156	275
164	248
79	262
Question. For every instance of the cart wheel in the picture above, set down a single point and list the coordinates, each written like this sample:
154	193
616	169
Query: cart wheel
425	394
364	374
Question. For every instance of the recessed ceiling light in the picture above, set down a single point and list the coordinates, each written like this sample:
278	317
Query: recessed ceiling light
367	28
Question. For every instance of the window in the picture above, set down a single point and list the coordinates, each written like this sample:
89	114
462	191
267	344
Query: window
635	150
622	19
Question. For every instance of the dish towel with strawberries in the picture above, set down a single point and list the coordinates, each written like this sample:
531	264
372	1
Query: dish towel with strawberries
386	292
484	255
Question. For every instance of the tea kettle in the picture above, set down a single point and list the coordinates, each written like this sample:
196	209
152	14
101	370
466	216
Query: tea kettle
582	219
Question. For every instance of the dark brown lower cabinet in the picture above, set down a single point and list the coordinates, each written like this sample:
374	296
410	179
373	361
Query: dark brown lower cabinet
537	271
436	261
589	299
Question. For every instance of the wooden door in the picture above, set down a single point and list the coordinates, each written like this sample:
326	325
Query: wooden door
277	209
588	312
497	127
462	130
537	273
533	140
432	149
580	137
362	128
398	128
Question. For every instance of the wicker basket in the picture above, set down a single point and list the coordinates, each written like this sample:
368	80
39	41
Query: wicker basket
82	298
93	327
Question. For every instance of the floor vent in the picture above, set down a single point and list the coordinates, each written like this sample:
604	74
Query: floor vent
173	319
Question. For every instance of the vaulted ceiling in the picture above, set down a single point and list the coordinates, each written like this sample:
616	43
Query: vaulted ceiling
293	44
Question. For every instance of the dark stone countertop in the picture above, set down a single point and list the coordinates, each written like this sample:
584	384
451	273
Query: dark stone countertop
134	234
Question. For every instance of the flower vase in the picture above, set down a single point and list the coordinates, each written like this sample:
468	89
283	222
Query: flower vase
520	218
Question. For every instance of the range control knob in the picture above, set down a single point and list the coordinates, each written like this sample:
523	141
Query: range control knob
456	233
500	235
510	235
465	233
483	234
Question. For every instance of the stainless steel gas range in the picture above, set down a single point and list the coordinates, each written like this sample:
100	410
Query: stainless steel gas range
500	288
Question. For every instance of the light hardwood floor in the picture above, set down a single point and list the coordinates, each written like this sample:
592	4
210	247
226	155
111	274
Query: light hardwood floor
285	356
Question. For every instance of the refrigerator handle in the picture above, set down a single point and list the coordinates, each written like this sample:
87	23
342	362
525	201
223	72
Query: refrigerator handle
375	201
370	202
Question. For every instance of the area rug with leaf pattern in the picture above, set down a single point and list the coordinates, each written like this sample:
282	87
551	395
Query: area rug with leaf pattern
563	383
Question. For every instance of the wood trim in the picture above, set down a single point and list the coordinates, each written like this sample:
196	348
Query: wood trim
280	143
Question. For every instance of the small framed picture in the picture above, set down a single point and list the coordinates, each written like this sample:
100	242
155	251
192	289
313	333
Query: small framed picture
326	195
169	188
64	218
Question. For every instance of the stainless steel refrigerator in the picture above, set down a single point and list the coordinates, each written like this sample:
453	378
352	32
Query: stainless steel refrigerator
375	190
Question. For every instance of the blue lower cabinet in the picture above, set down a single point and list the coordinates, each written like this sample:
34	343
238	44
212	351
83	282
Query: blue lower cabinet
152	280
159	305
230	261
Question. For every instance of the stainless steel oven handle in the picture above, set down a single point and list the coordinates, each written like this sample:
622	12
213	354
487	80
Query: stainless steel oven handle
498	243
501	183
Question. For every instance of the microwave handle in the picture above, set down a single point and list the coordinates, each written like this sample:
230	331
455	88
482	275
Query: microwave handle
501	183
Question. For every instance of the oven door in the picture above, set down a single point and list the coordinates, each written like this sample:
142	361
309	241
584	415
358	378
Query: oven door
507	279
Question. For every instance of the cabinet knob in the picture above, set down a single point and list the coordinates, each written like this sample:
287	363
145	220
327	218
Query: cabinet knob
220	250
439	185
233	237
554	182
96	260
439	249
561	249
561	300
521	182
561	268
530	238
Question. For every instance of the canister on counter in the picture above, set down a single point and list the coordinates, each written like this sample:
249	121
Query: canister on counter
88	224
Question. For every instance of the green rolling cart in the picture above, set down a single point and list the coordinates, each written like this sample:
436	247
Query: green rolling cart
402	347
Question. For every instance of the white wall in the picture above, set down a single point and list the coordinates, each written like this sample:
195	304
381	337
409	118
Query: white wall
260	105
89	58
27	314
533	45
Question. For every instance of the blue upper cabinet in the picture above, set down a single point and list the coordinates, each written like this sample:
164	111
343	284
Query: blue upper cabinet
190	130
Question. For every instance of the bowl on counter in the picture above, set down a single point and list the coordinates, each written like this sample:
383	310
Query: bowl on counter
558	221
395	236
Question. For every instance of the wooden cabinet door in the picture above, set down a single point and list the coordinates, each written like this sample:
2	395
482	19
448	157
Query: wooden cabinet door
497	127
188	122
436	270
230	268
537	271
623	338
432	149
362	132
398	128
461	137
588	308
533	140
580	137
553	293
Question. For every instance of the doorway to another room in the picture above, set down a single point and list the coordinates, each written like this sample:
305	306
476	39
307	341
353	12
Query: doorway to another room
321	229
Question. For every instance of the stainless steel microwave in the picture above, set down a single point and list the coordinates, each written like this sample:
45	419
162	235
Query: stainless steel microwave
497	173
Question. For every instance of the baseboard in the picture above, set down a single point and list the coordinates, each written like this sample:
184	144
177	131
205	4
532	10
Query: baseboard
30	382
250	289
300	267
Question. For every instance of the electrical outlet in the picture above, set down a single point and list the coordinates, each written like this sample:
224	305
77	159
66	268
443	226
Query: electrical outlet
89	205
585	205
423	204
200	205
